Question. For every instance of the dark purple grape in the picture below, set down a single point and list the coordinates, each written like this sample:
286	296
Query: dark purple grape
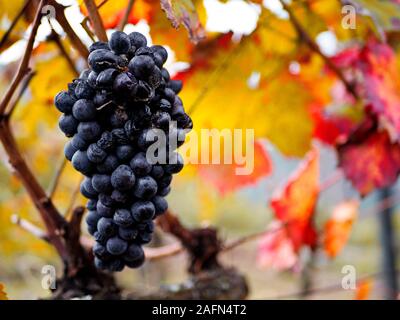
175	164
92	79
118	118
83	90
119	136
125	83
165	74
98	45
165	105
64	102
91	204
102	59
106	141
95	154
154	79
100	251
84	74
161	120
106	227
68	124
134	253
141	66
169	94
143	237
103	210
127	234
102	183
81	162
123	178
161	51
120	196
145	187
137	40
120	42
84	110
144	51
175	85
116	265
139	164
106	78
135	263
143	91
143	210
79	143
165	181
106	199
124	152
102	98
160	204
123	218
109	164
69	150
100	237
164	191
157	171
89	131
87	189
116	246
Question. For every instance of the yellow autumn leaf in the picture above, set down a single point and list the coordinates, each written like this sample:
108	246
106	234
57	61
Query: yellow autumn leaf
37	117
275	36
8	11
386	13
220	94
288	113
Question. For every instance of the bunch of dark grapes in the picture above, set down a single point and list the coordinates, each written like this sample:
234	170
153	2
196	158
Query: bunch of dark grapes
108	113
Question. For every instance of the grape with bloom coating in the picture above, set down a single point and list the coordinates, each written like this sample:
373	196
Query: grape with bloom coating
124	98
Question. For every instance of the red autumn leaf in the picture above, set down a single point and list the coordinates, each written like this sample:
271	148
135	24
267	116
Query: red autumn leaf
347	58
338	227
370	162
275	248
330	128
201	56
224	177
382	81
294	204
380	84
363	290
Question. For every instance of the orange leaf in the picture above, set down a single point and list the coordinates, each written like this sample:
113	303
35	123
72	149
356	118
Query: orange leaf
363	290
338	227
3	294
224	176
295	203
275	248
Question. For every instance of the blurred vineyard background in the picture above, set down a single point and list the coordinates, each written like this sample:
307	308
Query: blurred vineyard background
304	84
